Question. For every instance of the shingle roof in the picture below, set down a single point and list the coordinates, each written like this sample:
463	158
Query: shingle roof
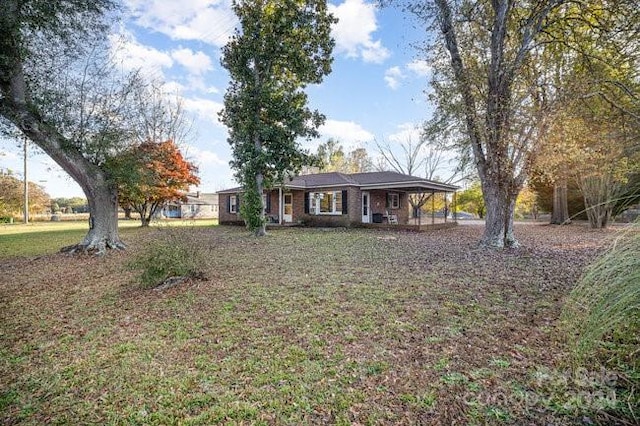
202	199
371	180
322	179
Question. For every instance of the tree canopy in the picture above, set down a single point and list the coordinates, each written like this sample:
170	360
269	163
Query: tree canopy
280	48
55	94
151	174
332	158
498	79
12	196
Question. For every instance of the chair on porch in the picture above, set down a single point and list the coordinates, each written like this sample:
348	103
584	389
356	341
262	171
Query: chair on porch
391	218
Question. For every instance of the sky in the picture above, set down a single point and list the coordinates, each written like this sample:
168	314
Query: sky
376	91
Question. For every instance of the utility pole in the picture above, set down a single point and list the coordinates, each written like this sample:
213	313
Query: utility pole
26	185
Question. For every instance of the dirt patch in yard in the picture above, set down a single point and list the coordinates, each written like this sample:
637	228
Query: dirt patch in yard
300	327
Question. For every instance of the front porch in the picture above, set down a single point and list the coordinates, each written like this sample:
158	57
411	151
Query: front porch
413	225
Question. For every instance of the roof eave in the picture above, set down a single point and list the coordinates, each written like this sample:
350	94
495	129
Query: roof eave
410	185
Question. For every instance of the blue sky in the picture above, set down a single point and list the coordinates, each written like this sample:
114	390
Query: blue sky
375	92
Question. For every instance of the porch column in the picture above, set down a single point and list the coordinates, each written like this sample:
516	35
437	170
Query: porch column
446	209
433	207
280	206
455	206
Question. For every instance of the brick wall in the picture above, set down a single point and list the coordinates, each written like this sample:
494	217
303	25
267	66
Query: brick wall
379	204
354	210
224	217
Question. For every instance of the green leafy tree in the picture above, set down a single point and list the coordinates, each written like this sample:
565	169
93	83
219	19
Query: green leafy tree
471	200
280	48
68	105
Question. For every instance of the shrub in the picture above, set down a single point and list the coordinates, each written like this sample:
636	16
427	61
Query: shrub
607	299
603	315
167	257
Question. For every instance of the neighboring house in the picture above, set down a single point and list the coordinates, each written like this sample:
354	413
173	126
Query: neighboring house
336	199
196	206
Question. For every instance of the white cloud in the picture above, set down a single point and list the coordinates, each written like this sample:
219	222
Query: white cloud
419	67
197	63
172	88
392	77
346	132
353	32
203	157
210	21
204	108
406	132
134	55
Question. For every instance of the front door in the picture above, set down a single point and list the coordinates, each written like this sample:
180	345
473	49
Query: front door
287	214
366	208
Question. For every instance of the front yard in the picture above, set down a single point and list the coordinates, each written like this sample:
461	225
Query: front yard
305	326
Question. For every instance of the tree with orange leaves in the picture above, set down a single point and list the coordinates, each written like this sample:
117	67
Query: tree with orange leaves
152	174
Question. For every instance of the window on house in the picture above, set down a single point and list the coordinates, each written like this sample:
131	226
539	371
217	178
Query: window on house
313	203
233	204
325	202
394	200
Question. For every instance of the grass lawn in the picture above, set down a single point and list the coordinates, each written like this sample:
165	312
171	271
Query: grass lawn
304	326
38	238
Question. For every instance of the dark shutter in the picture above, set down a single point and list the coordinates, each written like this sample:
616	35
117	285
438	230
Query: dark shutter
306	203
267	207
238	203
388	203
345	203
228	203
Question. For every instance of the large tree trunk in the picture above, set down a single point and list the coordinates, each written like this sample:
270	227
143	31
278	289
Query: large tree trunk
598	194
500	208
103	219
560	213
16	107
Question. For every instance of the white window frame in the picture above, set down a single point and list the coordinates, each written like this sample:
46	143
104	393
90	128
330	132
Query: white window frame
314	203
394	200
233	204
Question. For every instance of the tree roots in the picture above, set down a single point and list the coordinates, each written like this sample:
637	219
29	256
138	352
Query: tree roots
95	248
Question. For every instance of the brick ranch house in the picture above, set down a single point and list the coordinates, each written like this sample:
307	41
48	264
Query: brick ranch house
336	199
